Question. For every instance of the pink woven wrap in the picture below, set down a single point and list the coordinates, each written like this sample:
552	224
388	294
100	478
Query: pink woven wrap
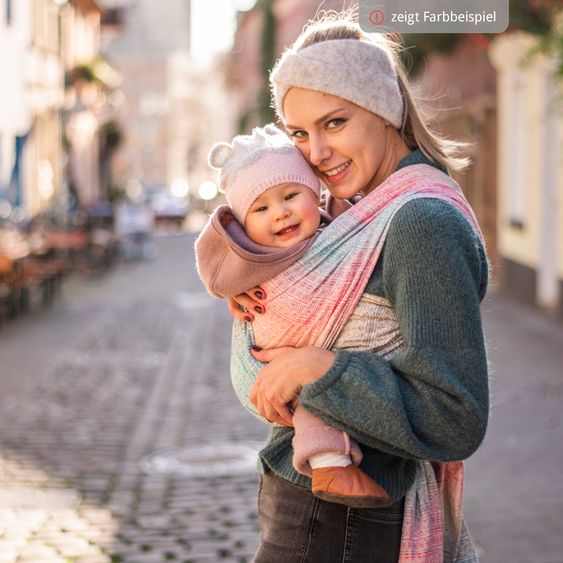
310	302
433	527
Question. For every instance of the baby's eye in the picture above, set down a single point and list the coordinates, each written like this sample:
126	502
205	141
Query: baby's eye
259	209
292	195
335	122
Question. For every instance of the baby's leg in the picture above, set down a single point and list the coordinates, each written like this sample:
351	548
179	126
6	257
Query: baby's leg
331	458
318	443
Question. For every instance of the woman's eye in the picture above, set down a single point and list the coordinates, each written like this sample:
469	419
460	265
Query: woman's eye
298	134
335	122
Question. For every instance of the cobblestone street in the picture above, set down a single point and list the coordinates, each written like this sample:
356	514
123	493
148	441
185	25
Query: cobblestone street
147	374
137	364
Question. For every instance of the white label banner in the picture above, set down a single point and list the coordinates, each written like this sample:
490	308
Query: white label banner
434	16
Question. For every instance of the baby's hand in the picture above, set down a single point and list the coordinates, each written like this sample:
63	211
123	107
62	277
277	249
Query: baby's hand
244	306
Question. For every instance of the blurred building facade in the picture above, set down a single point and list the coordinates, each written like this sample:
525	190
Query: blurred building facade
50	121
152	46
175	108
530	173
200	115
460	89
31	99
15	118
90	100
255	39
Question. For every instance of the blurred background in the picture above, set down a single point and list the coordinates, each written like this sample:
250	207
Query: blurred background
109	348
109	108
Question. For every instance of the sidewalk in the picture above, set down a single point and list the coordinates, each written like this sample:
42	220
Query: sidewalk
514	491
137	365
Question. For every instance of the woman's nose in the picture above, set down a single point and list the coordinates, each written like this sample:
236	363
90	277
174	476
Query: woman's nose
319	150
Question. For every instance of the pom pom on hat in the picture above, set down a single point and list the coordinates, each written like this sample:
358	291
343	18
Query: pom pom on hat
219	154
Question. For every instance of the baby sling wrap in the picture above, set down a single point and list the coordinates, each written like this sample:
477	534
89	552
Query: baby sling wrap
313	302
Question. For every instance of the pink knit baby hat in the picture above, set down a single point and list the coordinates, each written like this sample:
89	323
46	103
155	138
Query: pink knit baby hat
251	164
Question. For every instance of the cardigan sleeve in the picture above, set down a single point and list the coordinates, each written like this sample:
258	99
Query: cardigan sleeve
430	401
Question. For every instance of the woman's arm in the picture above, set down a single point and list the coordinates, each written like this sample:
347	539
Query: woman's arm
273	396
431	400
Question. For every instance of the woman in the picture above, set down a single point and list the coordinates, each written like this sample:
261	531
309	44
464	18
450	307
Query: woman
344	99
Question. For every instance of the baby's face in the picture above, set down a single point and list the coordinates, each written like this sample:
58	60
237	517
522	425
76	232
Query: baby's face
283	216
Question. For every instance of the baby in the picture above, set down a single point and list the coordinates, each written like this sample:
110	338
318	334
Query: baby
274	204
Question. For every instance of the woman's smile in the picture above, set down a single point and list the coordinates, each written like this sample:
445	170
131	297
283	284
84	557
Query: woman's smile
336	174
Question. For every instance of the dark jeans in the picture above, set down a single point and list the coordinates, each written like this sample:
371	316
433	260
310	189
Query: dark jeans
300	528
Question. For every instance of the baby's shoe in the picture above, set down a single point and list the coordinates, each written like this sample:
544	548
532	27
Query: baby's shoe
348	485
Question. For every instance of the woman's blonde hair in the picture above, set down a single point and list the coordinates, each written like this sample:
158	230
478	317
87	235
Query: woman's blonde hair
415	130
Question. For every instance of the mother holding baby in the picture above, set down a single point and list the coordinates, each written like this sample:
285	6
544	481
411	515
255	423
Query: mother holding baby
416	401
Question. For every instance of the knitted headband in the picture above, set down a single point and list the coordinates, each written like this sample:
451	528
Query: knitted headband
252	164
354	70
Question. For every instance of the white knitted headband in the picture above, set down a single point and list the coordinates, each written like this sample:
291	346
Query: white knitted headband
354	70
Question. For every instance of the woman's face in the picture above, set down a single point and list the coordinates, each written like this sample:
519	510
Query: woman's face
347	145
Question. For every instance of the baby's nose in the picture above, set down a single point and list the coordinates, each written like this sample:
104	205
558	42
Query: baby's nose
282	210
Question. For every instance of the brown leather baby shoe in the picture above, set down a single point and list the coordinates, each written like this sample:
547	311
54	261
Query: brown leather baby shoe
348	485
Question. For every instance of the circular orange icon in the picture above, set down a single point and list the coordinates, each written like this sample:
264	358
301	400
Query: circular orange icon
376	17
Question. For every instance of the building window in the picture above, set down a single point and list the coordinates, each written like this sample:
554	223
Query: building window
9	12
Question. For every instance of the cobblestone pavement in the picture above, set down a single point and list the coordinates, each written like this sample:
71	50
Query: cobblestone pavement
148	375
138	364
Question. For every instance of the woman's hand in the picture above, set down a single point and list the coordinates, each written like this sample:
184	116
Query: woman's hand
279	383
244	306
